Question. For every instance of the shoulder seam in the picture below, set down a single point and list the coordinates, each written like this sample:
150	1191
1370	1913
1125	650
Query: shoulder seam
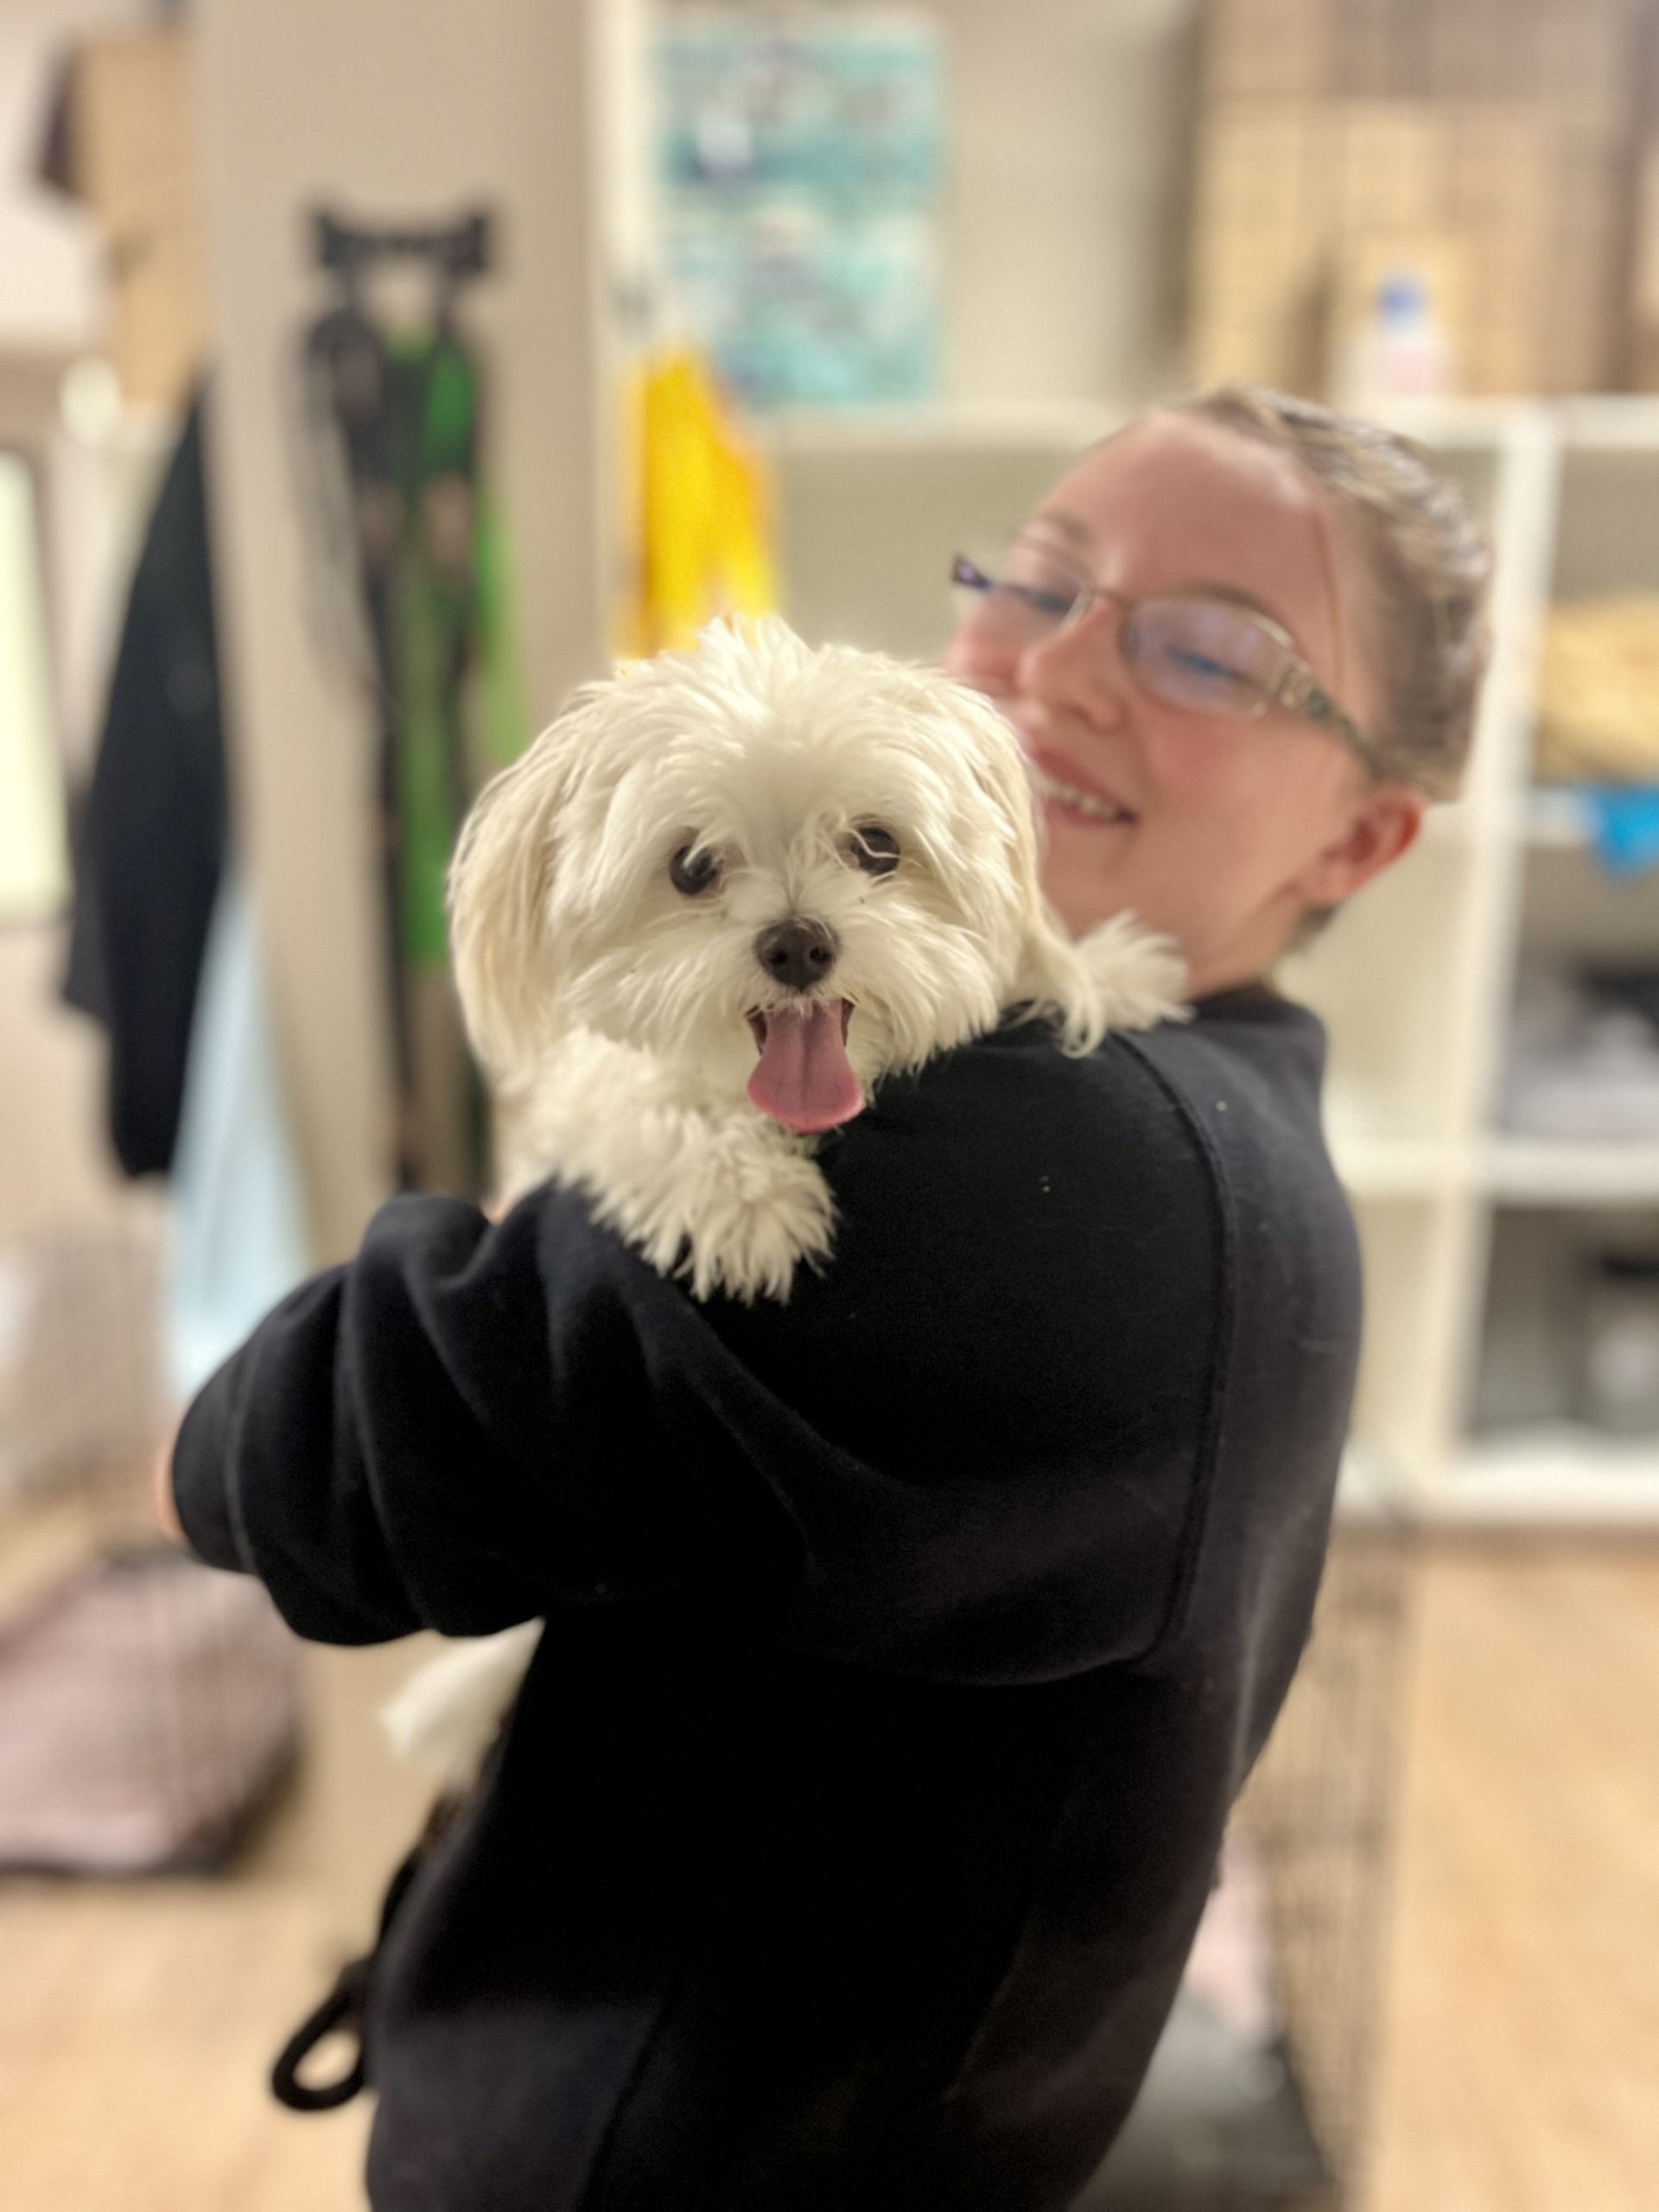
1210	1427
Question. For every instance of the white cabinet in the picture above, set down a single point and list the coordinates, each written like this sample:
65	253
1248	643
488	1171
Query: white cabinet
1474	1236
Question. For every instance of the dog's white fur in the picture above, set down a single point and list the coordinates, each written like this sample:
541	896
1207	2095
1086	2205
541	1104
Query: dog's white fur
612	1010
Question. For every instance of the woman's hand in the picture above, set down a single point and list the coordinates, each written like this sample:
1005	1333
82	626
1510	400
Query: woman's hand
167	1513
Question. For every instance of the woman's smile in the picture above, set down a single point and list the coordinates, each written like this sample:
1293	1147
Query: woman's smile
1064	789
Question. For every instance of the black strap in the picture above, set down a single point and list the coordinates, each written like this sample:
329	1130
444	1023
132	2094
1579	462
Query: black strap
343	2008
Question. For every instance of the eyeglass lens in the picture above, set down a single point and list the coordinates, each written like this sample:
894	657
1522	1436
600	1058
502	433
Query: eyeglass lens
1202	653
1193	652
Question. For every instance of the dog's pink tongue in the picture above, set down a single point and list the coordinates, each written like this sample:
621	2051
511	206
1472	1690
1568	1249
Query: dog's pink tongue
803	1077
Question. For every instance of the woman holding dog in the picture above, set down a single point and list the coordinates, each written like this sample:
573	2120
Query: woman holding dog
908	1643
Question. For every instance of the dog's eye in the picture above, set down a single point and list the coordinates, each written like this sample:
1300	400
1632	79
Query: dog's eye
693	870
875	849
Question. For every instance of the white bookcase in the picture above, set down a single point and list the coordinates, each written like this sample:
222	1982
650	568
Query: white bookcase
1415	981
1465	1226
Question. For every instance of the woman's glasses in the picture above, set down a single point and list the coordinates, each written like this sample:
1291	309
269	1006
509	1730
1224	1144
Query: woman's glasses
1184	648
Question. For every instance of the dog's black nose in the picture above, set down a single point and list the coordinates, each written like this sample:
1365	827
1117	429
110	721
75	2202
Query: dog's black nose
796	954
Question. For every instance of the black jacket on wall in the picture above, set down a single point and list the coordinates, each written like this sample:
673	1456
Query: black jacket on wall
907	1643
152	833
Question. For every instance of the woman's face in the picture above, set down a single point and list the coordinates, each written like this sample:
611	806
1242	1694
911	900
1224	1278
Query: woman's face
1223	832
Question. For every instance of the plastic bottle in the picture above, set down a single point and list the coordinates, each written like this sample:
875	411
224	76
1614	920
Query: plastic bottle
1401	352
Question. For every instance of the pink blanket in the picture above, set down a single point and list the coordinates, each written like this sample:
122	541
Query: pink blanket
146	1704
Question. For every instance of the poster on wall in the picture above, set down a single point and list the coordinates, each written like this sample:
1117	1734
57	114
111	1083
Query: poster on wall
800	166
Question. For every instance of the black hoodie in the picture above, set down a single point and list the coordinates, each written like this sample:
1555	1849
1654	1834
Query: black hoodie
906	1643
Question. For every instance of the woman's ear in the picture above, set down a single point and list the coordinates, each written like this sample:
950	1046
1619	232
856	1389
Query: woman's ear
1384	827
500	888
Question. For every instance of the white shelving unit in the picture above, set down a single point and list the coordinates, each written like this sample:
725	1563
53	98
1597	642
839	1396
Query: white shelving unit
1556	1474
1454	1210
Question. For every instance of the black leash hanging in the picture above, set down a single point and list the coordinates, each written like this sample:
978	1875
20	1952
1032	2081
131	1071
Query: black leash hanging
361	391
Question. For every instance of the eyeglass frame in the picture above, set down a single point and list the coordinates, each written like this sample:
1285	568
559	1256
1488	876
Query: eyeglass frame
1295	687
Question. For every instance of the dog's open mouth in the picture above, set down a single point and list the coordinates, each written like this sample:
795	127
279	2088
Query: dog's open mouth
803	1077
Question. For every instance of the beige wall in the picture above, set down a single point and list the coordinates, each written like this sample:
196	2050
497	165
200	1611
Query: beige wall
1071	125
391	111
56	1170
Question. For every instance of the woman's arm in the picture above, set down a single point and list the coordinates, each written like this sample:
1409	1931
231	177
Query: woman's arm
160	1491
966	1450
466	1424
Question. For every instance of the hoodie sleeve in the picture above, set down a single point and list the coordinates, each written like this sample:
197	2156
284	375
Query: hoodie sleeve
968	1449
458	1430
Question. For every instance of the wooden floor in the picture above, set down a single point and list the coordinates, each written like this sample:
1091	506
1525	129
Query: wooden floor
1521	2039
138	2021
1521	2060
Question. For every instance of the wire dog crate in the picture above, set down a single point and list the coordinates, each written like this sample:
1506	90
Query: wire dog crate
1320	1812
1258	2097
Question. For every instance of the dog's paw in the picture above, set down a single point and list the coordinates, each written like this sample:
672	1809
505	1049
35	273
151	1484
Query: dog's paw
759	1208
1140	976
716	1195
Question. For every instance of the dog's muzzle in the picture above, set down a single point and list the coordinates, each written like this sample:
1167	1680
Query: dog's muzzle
803	1078
797	954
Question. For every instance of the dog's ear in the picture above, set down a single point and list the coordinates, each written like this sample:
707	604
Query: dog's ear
1120	975
501	887
1055	980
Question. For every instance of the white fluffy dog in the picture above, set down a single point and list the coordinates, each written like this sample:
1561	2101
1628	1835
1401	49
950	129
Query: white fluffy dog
724	895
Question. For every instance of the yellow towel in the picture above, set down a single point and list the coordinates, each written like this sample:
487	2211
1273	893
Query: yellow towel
1599	691
700	503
